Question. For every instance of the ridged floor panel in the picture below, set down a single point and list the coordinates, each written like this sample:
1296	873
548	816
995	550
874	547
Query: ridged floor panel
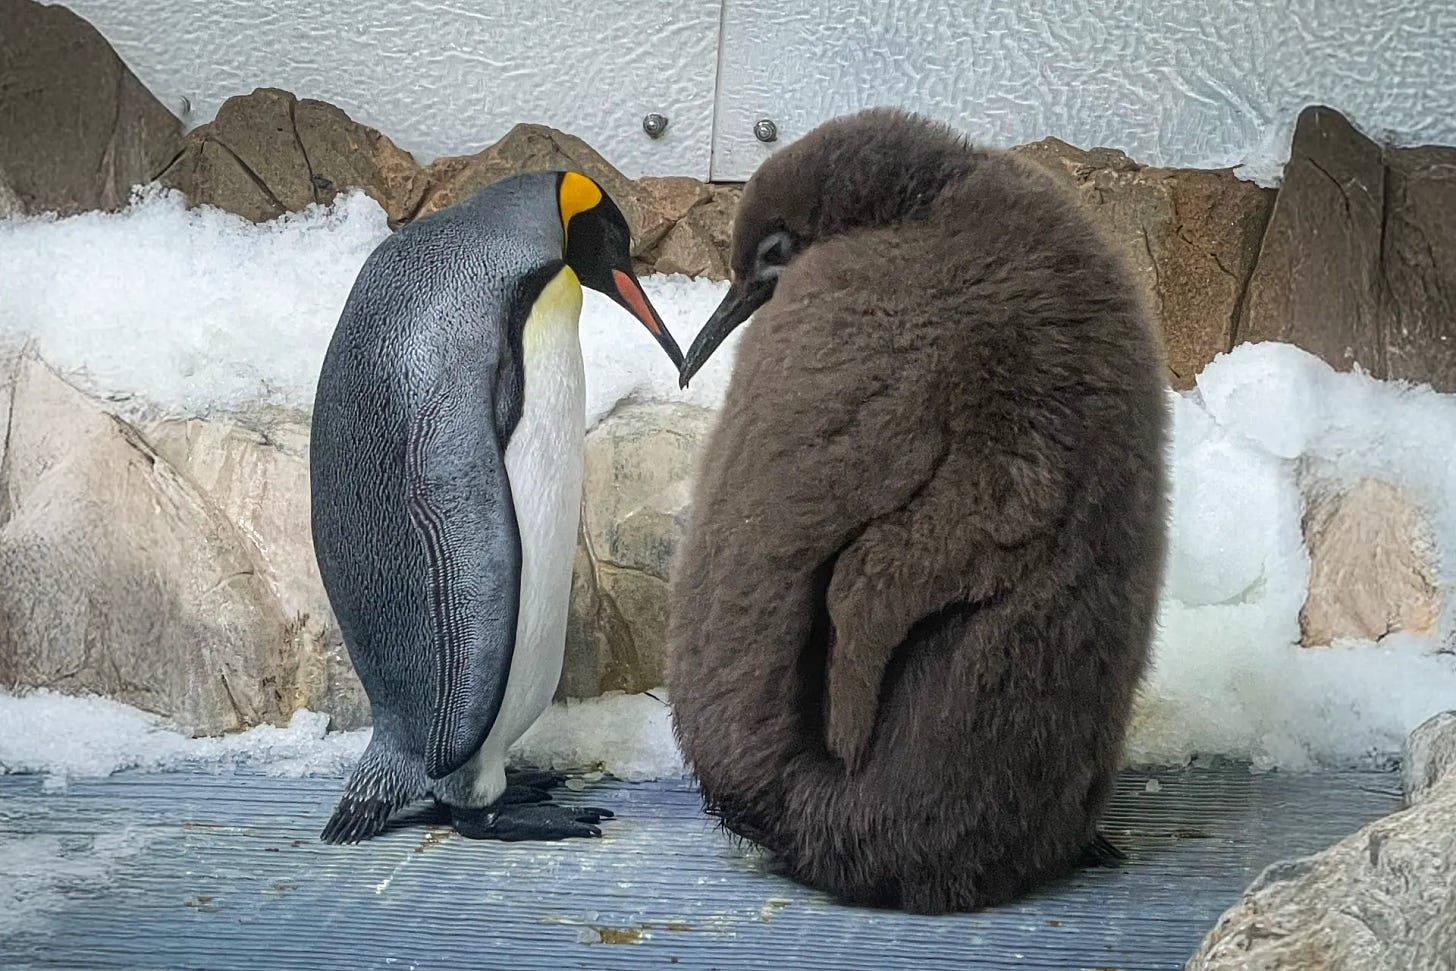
223	872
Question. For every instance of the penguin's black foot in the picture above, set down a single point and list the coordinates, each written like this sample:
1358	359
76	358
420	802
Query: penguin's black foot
531	779
1100	853
525	787
519	823
523	795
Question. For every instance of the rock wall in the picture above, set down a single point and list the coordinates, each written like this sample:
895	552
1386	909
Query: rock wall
168	564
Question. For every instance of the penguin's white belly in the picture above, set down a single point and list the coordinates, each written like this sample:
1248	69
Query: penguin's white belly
544	464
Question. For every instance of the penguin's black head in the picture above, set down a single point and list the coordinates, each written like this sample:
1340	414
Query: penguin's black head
598	249
875	168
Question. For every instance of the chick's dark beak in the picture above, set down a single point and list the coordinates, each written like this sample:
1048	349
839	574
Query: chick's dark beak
738	305
627	292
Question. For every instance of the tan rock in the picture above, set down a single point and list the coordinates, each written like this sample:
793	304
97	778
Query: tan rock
1372	565
267	153
639	463
254	469
1383	899
121	578
1429	756
79	129
1191	237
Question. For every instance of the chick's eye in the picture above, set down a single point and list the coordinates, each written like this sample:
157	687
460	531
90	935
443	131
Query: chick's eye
775	251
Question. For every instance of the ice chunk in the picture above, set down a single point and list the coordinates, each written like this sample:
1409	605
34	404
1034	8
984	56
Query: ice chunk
629	736
1267	394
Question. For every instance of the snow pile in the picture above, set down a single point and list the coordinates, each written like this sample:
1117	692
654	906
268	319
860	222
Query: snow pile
629	736
68	737
1266	424
196	311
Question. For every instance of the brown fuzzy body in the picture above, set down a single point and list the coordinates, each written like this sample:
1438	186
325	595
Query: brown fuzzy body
918	587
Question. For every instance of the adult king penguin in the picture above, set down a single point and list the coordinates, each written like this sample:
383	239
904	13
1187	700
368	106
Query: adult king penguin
917	590
446	466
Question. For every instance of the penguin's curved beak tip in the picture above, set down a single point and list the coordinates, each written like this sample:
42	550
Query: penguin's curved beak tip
738	304
630	295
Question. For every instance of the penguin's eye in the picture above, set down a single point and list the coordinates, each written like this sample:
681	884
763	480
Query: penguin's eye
774	253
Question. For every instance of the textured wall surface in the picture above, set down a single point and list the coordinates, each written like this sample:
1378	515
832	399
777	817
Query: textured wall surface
444	77
1172	82
1175	82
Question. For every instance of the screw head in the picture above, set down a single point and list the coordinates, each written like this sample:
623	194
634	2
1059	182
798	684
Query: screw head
765	130
654	125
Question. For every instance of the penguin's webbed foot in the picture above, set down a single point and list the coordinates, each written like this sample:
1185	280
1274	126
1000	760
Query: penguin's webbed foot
519	823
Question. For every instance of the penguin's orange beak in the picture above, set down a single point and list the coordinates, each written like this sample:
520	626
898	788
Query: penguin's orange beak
628	293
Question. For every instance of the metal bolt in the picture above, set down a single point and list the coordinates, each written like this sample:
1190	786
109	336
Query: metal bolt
765	130
654	125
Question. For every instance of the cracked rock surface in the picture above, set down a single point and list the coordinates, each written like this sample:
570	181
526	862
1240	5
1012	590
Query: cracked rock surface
1359	261
1190	236
77	129
267	153
1383	899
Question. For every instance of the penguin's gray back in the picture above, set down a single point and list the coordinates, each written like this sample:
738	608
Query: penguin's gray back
919	581
432	307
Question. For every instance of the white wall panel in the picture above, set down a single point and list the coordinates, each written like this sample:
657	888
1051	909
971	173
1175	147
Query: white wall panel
445	77
1177	82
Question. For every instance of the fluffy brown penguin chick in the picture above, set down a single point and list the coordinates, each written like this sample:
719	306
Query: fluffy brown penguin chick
918	587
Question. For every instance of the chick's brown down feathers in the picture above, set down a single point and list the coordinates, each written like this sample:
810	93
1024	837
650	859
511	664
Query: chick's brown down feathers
917	590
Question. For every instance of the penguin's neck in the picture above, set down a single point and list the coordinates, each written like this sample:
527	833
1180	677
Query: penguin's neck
545	453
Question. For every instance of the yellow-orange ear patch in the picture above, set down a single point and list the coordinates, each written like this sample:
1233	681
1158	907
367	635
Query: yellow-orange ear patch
578	194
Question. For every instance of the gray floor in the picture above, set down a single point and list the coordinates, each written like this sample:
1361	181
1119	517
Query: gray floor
194	871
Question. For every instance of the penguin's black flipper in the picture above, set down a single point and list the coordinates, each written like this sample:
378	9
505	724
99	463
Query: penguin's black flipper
513	824
460	502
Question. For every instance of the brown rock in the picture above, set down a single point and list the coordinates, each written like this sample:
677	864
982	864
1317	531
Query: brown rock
121	579
79	129
601	653
209	174
254	469
1318	276
534	148
699	244
1190	237
268	153
342	154
1418	257
675	196
1359	261
639	462
1372	566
